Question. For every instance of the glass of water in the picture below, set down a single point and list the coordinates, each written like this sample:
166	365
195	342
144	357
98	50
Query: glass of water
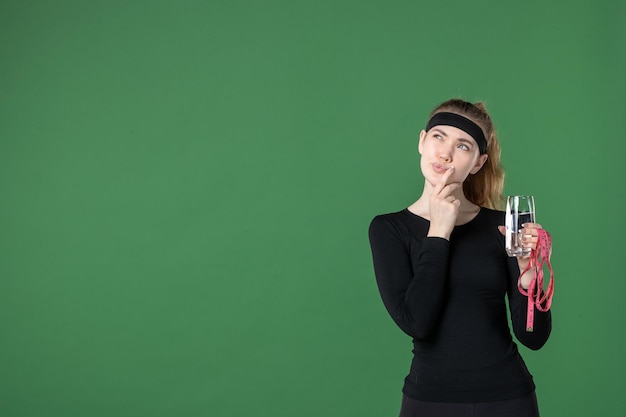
520	209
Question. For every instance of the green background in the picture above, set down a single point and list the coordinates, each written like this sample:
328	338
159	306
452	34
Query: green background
185	191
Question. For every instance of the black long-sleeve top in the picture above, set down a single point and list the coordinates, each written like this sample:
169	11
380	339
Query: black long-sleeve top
449	296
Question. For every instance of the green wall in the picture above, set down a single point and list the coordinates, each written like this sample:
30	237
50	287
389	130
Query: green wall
185	191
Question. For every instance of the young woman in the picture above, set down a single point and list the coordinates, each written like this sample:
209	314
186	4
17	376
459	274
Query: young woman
443	275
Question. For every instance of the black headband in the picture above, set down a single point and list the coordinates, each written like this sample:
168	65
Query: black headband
463	123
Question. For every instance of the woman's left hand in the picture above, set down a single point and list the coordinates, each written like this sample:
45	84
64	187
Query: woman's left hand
529	236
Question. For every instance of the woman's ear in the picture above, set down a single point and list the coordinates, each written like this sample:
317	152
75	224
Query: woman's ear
479	163
419	144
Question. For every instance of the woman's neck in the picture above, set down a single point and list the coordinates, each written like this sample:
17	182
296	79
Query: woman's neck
467	209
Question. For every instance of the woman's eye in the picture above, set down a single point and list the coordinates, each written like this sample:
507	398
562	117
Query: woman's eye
438	137
464	147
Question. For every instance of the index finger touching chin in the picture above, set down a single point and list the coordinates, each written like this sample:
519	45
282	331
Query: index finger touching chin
446	175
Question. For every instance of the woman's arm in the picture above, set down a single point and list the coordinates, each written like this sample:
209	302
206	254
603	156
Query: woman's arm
412	290
518	306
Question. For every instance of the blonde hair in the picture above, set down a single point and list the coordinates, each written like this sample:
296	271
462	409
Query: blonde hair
484	188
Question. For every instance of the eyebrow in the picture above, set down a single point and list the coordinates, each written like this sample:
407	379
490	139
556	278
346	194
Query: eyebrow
440	131
461	139
468	142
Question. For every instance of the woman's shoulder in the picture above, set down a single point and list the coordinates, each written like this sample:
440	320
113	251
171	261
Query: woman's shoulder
395	217
380	220
398	223
492	212
489	215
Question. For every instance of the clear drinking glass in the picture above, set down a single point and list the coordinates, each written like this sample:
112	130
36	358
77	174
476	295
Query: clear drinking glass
520	209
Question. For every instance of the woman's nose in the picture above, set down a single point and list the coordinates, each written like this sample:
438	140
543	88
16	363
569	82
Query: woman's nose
445	156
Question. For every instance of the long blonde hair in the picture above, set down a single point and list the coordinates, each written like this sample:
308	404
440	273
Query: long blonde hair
484	188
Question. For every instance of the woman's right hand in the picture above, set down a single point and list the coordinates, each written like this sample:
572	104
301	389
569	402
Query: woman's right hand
443	207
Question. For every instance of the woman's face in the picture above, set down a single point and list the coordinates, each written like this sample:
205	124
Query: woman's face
445	146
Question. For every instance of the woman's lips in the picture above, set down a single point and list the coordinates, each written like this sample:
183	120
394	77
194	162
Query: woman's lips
439	168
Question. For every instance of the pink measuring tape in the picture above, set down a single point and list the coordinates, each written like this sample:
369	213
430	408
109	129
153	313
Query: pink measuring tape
536	296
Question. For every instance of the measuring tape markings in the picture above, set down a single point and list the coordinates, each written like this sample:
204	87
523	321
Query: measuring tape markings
537	298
